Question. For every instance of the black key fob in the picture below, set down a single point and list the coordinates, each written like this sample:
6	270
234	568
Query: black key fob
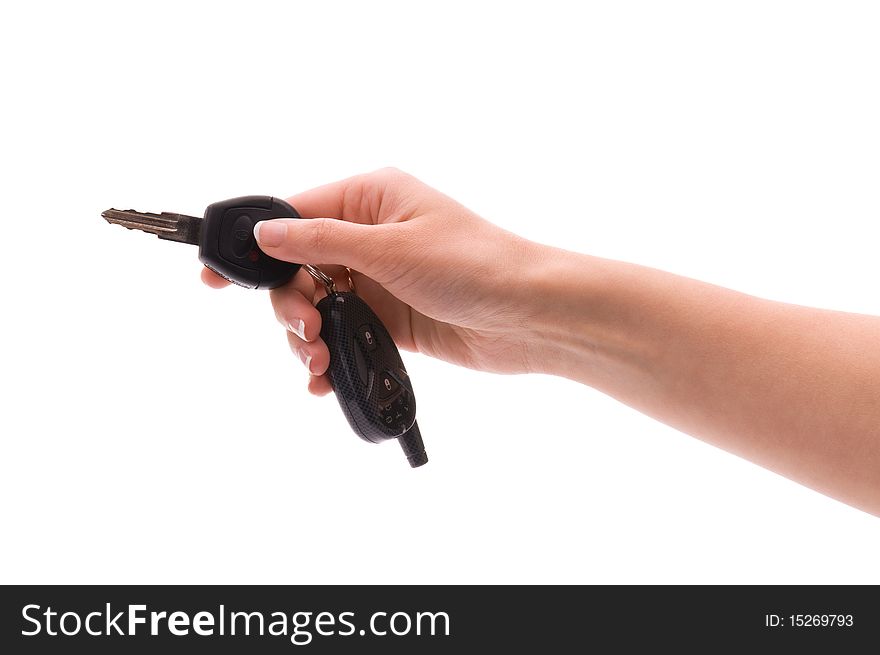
227	245
368	376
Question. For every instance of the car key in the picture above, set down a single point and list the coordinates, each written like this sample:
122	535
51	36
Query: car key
366	371
225	237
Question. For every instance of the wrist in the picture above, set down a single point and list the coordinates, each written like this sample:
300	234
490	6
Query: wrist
583	314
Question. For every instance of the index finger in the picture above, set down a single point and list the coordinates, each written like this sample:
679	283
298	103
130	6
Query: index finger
358	199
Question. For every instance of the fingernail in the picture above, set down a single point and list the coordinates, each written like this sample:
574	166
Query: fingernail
270	233
305	358
298	327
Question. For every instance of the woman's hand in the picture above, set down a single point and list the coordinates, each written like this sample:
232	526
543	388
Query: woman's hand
438	275
794	389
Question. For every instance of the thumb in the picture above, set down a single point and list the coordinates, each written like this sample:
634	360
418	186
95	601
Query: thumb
323	241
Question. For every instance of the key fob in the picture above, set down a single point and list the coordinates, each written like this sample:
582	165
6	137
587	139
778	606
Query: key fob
368	376
227	245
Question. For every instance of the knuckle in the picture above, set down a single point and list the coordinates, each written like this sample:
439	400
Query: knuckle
321	235
391	171
387	176
366	194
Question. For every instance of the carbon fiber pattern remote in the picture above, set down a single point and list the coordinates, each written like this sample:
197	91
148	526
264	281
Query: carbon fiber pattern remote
368	375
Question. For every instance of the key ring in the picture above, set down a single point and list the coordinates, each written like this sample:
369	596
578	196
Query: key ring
350	280
321	277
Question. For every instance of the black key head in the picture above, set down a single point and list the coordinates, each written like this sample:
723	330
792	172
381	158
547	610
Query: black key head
227	245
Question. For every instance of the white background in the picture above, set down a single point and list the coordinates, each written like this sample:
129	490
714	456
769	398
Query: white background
157	431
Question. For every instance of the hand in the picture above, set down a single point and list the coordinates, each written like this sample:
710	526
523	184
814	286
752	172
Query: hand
792	388
442	279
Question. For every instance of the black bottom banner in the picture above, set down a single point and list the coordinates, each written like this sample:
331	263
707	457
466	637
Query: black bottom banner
434	619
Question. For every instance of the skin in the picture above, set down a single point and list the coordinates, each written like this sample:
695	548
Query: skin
794	389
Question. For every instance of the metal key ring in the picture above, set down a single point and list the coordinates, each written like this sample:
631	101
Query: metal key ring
321	277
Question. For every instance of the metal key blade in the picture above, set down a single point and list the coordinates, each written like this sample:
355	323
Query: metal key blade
173	227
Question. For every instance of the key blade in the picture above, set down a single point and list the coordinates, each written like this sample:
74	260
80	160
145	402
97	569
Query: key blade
173	227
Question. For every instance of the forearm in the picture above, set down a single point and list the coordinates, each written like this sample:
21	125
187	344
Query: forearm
794	389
